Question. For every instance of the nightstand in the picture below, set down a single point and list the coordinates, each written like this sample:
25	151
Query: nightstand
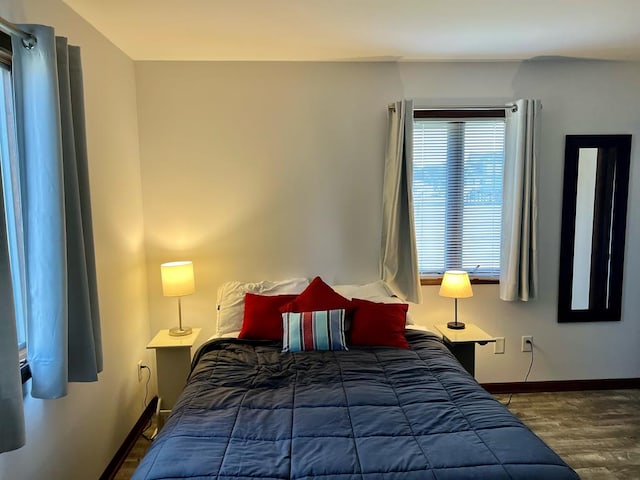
462	343
173	364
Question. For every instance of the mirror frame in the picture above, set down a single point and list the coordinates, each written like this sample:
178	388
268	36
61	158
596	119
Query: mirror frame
622	145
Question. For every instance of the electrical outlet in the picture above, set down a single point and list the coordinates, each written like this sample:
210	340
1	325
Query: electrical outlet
139	370
498	346
527	343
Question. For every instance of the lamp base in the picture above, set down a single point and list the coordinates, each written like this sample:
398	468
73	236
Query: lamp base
455	325
180	332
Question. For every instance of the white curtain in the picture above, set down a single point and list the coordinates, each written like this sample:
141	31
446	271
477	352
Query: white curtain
399	255
55	277
518	251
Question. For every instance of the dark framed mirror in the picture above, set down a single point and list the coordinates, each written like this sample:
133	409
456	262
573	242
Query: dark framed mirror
594	218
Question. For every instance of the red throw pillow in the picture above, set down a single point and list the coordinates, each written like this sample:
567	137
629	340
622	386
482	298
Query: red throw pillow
379	324
318	296
262	318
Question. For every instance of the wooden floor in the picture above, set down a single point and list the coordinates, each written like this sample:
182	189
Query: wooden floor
595	432
135	455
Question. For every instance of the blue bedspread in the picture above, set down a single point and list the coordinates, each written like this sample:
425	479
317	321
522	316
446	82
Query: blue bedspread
252	412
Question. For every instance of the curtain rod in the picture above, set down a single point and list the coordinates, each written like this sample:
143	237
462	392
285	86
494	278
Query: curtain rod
512	106
28	40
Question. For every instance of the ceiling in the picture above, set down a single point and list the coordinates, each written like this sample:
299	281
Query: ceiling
367	30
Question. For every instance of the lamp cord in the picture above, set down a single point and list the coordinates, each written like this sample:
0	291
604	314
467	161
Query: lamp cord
525	378
144	402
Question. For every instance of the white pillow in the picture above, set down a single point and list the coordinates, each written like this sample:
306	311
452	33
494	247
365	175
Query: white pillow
226	335
377	291
374	289
231	299
422	328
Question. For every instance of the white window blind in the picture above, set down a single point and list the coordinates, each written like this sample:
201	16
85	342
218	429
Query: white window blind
457	192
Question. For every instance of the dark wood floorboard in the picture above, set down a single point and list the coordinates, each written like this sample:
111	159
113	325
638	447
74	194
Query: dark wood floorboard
596	432
135	455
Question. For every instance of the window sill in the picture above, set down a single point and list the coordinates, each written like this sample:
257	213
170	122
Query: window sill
474	281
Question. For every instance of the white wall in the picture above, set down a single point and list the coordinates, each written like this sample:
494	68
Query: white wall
261	171
579	97
268	170
75	437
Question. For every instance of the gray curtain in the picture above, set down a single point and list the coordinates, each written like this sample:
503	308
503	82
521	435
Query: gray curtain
518	251
58	268
11	412
399	255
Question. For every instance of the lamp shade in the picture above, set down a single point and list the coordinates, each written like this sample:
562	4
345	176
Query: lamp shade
455	284
177	279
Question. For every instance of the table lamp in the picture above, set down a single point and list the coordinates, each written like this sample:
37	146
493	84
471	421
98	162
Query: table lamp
177	281
455	284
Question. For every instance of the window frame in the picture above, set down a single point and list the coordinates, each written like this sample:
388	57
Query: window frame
446	114
6	55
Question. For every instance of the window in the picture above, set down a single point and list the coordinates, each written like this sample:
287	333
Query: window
458	159
8	159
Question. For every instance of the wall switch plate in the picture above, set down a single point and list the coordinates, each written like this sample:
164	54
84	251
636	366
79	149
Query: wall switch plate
527	343
498	346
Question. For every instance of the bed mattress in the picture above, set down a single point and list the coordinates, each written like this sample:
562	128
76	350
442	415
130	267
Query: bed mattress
250	411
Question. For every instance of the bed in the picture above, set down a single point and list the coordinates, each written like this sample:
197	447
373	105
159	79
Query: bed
251	411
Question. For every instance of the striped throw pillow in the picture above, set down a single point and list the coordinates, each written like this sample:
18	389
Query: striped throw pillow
319	330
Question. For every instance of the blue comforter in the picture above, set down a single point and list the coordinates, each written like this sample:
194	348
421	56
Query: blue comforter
252	412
